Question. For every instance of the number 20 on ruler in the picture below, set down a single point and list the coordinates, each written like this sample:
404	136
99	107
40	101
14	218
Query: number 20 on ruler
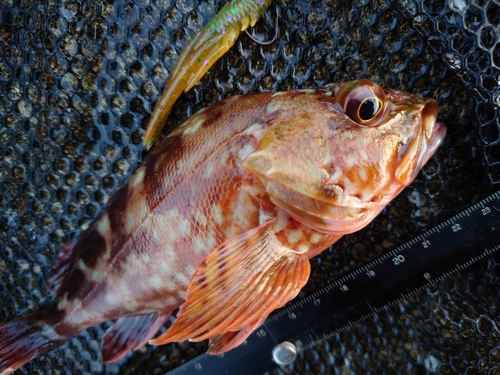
398	259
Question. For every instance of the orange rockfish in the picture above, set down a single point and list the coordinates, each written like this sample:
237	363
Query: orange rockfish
224	214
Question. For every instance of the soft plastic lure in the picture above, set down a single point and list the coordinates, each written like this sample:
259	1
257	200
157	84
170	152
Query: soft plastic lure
201	52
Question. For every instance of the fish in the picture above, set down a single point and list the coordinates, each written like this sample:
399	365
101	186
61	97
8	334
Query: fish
203	49
223	215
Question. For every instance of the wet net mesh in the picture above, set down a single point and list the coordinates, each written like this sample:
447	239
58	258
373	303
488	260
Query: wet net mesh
79	78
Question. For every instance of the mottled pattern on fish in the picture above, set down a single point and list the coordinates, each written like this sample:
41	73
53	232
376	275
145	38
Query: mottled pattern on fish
185	200
224	214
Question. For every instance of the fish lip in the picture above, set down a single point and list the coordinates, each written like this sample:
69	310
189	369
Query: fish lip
422	145
437	137
438	134
433	132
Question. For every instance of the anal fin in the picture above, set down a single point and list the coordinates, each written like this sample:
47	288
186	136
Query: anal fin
239	284
130	333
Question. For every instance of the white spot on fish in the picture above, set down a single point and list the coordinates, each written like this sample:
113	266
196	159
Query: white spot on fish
95	275
171	301
158	221
199	245
81	265
184	227
165	267
293	236
210	242
209	169
145	258
182	280
137	178
132	261
166	223
363	155
75	312
281	221
192	128
316	237
156	235
114	300
156	282
200	111
216	213
103	225
171	214
137	209
200	218
63	303
362	173
130	221
49	333
302	248
349	187
189	270
351	160
272	106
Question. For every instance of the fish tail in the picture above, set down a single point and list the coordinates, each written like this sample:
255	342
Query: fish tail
24	338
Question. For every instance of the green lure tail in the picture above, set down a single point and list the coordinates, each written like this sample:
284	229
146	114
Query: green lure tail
201	52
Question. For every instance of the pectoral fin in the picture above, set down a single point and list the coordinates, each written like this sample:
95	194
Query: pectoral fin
236	287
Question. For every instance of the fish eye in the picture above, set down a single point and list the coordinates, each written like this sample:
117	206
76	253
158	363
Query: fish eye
363	102
369	108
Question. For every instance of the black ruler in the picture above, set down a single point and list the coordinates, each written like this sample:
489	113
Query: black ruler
453	245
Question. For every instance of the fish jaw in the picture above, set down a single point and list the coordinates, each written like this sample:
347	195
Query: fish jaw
423	145
434	131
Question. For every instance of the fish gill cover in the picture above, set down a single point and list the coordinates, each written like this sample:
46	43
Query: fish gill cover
78	81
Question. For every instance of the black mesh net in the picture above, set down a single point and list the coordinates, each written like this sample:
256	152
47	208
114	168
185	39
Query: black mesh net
78	81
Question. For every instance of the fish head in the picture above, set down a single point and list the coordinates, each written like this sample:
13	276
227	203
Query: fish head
334	159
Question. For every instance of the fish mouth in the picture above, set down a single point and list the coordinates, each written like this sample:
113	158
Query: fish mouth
433	132
423	145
